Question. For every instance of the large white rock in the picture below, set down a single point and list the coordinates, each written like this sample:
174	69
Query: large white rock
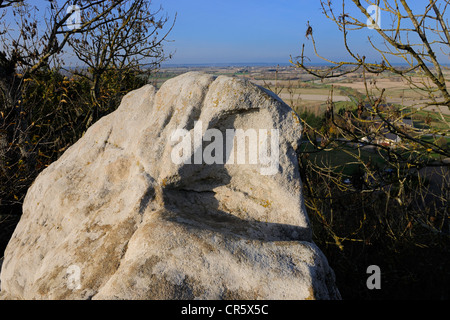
117	218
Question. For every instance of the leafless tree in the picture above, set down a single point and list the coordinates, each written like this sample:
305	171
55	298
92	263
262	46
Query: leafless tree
408	176
420	39
29	47
31	39
114	39
414	37
129	40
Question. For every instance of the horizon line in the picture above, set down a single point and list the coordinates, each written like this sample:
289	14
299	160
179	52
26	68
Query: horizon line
254	64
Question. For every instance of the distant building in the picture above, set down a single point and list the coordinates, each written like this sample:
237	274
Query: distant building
392	138
389	139
407	122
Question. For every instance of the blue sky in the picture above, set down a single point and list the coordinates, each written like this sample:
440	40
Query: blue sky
233	31
256	31
269	31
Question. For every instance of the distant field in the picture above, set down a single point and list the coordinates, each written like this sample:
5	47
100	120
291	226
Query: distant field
343	160
301	90
435	120
396	91
311	96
